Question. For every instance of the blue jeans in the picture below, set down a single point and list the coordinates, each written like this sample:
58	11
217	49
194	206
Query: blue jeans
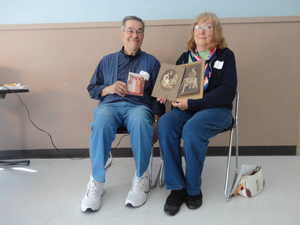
195	129
107	118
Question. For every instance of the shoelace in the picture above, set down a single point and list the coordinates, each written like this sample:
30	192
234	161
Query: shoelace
137	184
93	188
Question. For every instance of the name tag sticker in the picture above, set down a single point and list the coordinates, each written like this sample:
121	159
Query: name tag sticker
218	64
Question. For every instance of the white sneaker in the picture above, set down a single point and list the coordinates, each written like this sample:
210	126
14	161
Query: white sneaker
92	197
137	195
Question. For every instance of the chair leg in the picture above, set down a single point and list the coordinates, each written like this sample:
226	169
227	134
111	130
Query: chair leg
159	175
227	193
161	172
236	147
109	162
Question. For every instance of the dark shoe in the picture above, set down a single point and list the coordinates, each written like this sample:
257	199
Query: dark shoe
174	201
193	201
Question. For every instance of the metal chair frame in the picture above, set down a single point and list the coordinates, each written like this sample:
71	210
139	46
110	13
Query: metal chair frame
234	127
160	176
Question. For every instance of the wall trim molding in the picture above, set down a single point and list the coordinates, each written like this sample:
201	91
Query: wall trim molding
126	152
149	23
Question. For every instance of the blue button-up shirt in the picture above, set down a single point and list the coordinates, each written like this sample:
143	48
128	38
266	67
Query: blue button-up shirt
116	66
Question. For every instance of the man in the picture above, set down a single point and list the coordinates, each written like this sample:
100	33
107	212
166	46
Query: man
116	108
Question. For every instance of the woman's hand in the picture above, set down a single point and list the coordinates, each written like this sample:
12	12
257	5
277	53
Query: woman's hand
182	104
162	100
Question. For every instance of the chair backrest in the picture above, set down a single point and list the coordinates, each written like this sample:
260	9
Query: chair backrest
235	115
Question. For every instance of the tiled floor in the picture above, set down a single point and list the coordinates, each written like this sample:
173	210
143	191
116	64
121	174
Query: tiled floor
52	195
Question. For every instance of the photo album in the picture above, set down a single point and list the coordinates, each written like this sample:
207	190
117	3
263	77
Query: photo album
183	81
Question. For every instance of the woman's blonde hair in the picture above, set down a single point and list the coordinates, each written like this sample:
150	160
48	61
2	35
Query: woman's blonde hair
218	38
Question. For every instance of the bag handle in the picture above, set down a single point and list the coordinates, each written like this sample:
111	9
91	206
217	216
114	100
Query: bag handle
237	190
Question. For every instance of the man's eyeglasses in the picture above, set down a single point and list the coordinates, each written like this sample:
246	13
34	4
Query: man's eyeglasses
206	28
138	32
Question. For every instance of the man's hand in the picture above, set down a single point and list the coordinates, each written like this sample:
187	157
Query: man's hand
119	88
181	104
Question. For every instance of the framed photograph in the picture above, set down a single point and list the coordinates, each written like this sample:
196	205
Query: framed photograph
183	81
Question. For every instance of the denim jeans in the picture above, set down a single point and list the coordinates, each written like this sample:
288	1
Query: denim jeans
107	118
195	129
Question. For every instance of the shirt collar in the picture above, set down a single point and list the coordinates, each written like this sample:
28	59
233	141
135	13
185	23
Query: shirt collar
130	56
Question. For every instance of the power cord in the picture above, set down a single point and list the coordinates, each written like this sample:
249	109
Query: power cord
51	139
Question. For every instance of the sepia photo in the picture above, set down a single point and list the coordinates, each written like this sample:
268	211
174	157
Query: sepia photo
190	81
169	79
191	86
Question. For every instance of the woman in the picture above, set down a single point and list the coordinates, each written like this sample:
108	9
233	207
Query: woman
196	121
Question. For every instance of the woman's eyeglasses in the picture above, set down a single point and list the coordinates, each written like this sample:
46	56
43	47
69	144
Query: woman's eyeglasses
206	28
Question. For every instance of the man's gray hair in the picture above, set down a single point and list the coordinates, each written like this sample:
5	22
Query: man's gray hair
132	18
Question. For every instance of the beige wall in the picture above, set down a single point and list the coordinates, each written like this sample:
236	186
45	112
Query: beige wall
56	62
